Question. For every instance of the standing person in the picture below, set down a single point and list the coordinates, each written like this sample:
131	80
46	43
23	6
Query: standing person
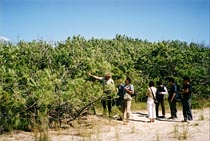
120	93
129	89
150	101
161	91
186	101
172	102
120	100
108	88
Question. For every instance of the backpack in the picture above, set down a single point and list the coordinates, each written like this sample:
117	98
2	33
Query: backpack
178	97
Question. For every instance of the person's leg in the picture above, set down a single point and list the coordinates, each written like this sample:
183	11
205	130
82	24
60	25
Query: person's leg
163	108
109	105
122	109
184	109
171	108
174	110
103	101
128	109
125	111
156	108
149	107
188	110
153	112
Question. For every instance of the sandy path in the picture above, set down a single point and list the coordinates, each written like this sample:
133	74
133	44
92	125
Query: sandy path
100	129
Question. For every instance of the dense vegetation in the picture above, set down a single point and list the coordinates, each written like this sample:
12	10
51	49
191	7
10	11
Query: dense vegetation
42	83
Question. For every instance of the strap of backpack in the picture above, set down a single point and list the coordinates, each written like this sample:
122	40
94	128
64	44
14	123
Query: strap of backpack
152	94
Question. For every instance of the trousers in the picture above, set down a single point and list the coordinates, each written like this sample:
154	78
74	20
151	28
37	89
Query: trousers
187	113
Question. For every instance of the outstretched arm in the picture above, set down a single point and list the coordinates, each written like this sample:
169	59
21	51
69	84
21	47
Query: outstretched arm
96	77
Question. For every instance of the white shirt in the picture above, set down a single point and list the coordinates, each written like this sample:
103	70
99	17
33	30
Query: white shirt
149	93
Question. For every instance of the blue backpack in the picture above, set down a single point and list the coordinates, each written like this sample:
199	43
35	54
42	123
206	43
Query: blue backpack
178	96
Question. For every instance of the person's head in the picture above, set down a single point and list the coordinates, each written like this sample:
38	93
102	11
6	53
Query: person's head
159	83
108	76
151	84
171	80
186	79
127	80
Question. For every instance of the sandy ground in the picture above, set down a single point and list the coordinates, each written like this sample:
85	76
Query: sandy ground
96	128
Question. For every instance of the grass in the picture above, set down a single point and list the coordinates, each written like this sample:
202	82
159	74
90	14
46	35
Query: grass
181	132
92	129
157	137
40	131
138	105
133	129
176	131
201	117
117	136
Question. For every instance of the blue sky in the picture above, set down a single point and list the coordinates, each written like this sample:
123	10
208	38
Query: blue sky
153	20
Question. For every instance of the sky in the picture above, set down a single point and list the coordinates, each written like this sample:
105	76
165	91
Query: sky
151	20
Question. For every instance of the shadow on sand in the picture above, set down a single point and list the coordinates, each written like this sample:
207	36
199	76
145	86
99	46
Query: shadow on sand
139	114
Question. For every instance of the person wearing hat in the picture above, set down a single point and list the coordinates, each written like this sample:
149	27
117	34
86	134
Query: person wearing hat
108	87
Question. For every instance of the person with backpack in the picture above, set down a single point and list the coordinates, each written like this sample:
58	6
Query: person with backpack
120	97
171	98
128	92
161	91
186	99
108	89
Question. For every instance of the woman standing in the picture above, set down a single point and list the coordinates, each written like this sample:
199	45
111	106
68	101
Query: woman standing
129	89
150	101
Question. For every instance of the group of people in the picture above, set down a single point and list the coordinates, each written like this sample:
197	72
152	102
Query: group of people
124	89
155	97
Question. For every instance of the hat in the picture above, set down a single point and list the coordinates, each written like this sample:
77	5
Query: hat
108	74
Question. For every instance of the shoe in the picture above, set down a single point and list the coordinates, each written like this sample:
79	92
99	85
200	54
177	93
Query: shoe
161	117
190	119
184	121
171	118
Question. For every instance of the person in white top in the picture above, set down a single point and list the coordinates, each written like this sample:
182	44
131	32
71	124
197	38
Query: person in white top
161	91
150	101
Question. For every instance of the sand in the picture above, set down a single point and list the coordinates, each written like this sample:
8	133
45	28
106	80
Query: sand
97	128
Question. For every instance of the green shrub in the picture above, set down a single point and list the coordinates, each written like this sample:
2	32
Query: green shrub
40	83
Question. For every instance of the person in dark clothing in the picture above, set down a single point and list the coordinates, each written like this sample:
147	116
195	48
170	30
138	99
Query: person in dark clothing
120	93
172	102
161	91
186	101
120	99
